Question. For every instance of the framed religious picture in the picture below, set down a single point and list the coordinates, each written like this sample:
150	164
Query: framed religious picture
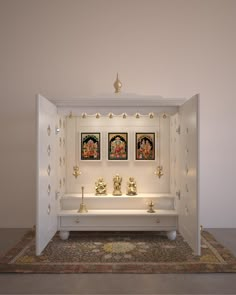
90	146
118	146
144	146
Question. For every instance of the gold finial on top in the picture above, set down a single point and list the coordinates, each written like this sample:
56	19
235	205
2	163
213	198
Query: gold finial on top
117	84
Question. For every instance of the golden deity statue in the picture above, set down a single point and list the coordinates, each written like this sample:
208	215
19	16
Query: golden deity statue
100	187
117	180
131	187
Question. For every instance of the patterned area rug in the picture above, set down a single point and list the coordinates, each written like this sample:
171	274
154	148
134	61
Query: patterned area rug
118	252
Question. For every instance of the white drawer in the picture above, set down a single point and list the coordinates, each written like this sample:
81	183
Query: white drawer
113	221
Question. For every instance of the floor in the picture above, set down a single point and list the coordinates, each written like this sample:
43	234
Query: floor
117	283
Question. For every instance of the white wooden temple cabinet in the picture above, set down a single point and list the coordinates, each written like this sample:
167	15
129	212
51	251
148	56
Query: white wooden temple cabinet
175	194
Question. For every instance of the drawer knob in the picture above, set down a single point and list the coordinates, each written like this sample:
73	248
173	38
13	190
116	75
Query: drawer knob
158	220
77	220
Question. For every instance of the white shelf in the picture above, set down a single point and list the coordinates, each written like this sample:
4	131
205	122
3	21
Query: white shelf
124	202
139	196
118	213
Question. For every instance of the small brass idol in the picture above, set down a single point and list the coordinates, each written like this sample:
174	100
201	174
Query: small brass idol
100	187
82	208
151	207
117	185
131	187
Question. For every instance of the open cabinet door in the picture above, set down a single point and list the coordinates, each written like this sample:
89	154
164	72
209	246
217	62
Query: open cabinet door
189	173
46	215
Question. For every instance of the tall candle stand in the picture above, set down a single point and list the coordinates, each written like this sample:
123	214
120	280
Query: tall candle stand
82	208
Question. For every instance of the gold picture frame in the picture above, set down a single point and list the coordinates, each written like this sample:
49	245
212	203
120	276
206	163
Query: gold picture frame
145	146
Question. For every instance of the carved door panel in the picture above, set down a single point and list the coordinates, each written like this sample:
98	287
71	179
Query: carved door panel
189	173
47	150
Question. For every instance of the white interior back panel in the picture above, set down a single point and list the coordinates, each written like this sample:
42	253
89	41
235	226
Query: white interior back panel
142	171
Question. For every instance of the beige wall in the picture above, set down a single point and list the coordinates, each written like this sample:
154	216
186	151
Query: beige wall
69	48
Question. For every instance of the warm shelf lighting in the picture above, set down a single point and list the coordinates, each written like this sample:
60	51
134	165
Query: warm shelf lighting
123	115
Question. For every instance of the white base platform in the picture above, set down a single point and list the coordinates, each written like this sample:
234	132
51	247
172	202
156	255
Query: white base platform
118	220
